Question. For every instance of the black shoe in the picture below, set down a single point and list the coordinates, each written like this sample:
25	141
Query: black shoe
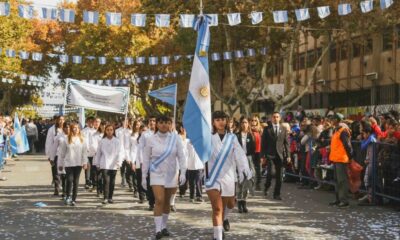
265	193
165	232
173	208
240	206
87	186
159	235
199	199
343	205
278	198
141	201
244	206
110	201
227	226
135	194
151	208
334	203
56	193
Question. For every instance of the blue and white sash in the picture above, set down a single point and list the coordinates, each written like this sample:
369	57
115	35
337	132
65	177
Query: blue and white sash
220	161
162	157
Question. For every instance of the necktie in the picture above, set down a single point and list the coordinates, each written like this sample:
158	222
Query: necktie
276	130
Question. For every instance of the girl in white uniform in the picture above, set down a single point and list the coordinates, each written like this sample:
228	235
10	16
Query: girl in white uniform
162	153
109	157
58	141
227	155
73	156
96	138
51	151
133	161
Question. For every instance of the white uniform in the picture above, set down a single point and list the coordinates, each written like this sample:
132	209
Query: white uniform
96	138
225	182
194	162
123	135
110	154
133	150
58	141
166	174
49	149
73	154
88	134
142	143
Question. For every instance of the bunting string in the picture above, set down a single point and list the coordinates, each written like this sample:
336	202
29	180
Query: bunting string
186	20
140	60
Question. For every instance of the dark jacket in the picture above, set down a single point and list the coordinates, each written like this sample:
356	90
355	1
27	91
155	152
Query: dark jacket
272	145
250	143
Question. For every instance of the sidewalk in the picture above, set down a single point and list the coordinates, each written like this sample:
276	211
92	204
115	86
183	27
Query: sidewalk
303	214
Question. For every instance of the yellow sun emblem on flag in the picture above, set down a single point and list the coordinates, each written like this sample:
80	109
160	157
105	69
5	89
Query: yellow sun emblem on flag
204	91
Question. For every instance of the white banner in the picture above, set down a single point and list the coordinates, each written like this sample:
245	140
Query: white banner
102	98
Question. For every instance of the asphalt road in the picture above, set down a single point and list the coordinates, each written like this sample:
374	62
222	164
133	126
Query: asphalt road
303	214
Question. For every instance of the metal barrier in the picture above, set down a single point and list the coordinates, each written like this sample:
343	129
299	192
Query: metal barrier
384	178
385	172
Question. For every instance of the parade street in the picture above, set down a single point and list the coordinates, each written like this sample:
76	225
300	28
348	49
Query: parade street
303	214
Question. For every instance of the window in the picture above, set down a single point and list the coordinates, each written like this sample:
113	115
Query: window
344	52
368	46
387	39
356	51
302	61
311	59
332	53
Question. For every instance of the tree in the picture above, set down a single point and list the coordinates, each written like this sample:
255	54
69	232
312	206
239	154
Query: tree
23	35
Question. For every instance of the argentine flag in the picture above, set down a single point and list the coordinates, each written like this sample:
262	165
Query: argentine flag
19	140
323	11
386	3
367	6
344	9
4	9
67	15
197	112
166	94
91	17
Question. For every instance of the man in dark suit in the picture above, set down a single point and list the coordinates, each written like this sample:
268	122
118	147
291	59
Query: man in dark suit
275	148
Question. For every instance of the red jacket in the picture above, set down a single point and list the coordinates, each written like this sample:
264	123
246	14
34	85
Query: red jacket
384	134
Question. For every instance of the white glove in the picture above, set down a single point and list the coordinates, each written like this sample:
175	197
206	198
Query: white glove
241	177
182	179
249	174
144	182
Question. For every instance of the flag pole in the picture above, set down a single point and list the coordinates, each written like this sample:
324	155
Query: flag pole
176	92
201	7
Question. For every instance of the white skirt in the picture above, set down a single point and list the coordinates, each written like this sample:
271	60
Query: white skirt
226	188
166	179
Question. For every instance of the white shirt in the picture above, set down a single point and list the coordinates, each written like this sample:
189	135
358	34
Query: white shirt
123	135
142	143
275	129
110	154
194	162
133	149
155	146
88	133
95	138
73	154
51	134
55	150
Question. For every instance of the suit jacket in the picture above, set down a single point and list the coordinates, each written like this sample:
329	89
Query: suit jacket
250	143
274	145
